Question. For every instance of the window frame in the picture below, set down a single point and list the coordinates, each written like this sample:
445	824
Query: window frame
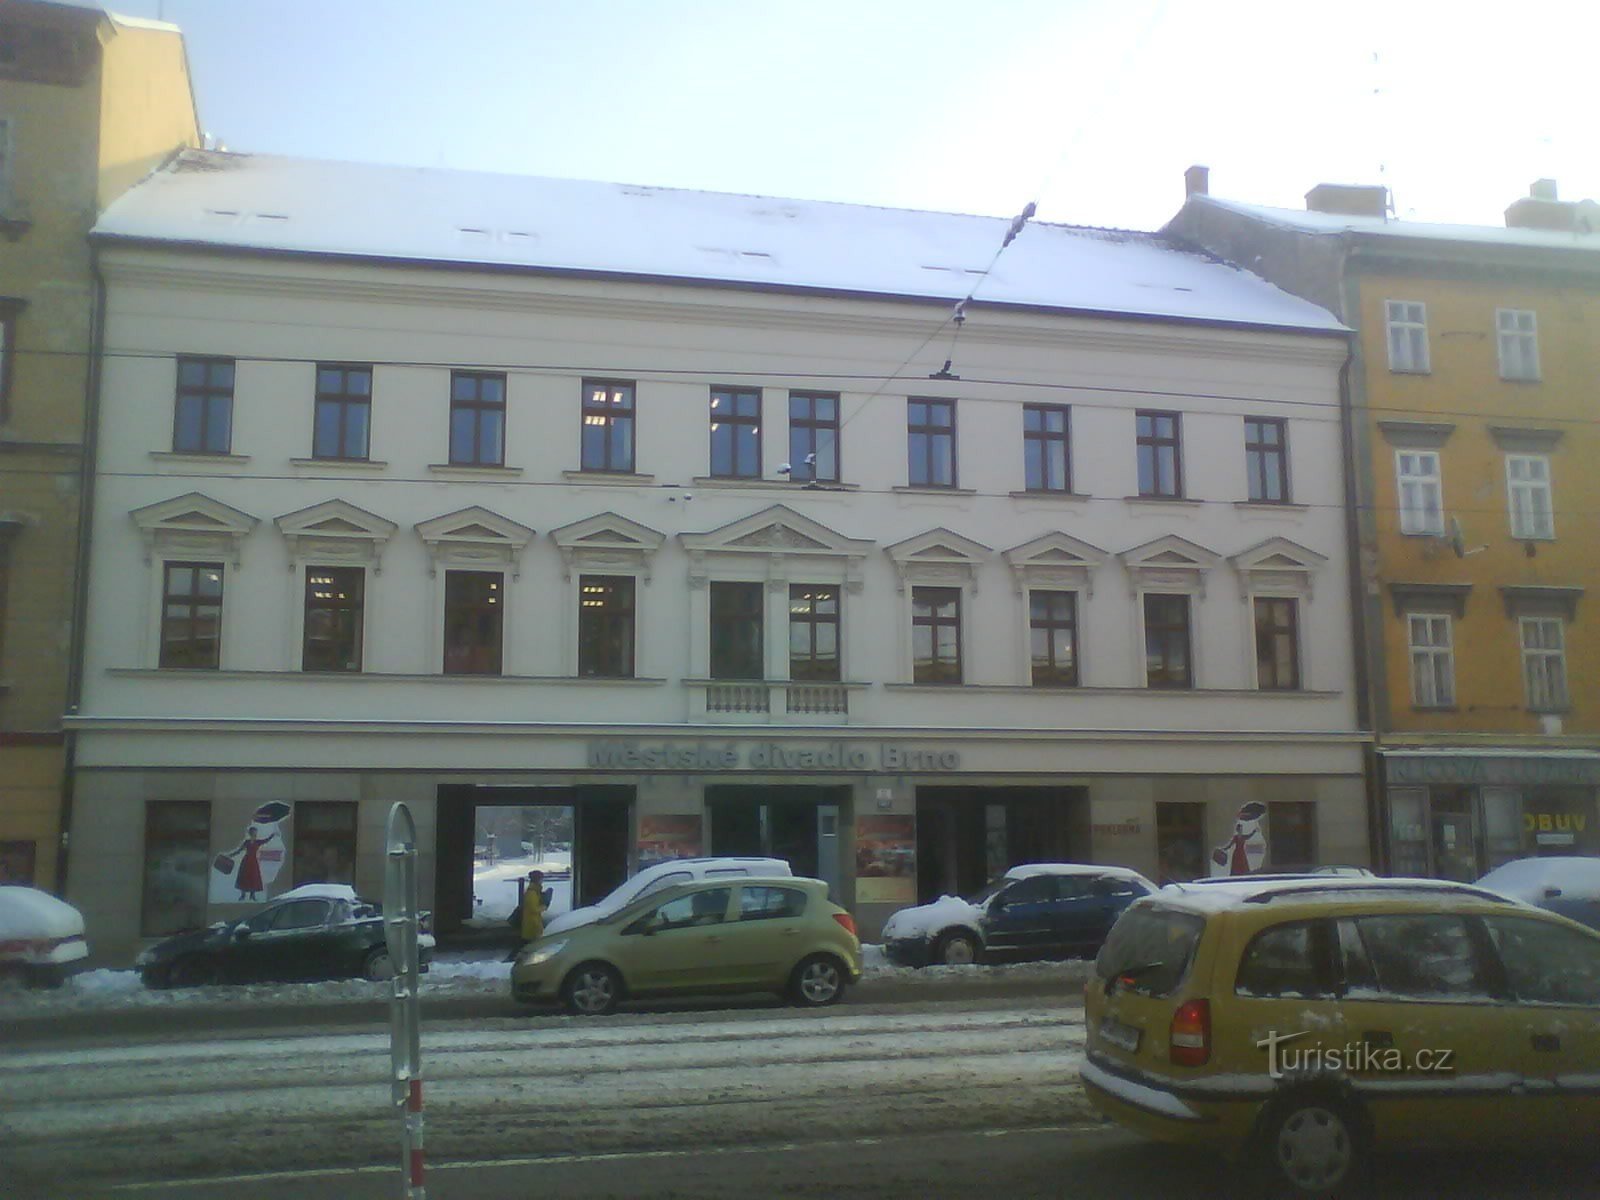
344	400
1538	660
480	410
731	423
474	605
335	606
1044	438
937	672
1053	675
1152	444
203	394
1187	682
1524	516
1416	342
806	428
1259	457
1525	336
610	618
1296	666
1435	654
191	600
1420	521
922	475
608	415
810	621
727	623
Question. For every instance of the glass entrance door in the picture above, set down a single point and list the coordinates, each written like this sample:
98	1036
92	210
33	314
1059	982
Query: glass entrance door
1455	835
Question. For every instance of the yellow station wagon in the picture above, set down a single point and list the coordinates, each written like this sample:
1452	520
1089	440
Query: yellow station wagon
779	934
1294	1024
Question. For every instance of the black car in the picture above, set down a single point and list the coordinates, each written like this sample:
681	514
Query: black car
320	933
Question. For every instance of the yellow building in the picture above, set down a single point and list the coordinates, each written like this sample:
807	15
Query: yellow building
89	103
1473	425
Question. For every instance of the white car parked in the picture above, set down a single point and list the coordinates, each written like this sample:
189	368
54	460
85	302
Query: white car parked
665	874
41	937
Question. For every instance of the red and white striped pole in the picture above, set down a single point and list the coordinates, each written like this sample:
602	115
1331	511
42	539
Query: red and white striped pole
414	1186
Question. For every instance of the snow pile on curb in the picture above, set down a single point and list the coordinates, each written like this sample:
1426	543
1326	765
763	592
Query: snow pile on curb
105	989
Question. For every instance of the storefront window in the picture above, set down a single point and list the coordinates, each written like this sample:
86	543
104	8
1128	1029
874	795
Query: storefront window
1408	831
1292	833
1502	825
177	852
1180	842
324	842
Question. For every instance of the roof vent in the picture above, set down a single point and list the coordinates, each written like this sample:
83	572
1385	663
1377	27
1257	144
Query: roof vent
1540	209
1349	199
1197	181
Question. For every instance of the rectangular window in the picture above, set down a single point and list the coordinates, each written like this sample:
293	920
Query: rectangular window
813	437
1053	638
1544	662
191	614
607	440
1408	335
1266	459
931	433
737	631
605	626
1528	492
8	354
1433	667
177	862
735	433
343	412
1292	833
1167	657
477	419
935	635
473	622
1519	343
1421	491
1160	454
6	153
813	632
1047	447
18	862
335	600
203	416
324	841
1277	643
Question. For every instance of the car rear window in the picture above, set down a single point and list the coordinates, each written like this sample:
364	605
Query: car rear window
1152	945
1288	960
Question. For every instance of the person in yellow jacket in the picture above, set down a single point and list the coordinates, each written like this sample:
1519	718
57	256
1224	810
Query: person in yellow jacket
533	901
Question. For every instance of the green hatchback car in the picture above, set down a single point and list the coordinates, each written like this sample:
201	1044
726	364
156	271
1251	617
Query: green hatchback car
717	935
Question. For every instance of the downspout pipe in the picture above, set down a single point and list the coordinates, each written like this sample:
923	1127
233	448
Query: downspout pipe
87	460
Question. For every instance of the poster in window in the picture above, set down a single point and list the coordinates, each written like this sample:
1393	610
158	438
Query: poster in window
886	858
664	837
1246	849
244	874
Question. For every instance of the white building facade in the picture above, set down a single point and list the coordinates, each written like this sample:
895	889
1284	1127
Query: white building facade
705	555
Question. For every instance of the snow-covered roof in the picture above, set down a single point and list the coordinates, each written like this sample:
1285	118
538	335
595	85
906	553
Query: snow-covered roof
1528	879
1340	223
27	913
415	214
1237	892
1025	870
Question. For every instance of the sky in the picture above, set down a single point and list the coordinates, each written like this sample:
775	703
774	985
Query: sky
1091	108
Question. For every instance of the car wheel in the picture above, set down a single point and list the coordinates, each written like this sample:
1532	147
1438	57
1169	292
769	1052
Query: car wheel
377	966
957	949
195	971
592	990
1314	1147
154	978
817	980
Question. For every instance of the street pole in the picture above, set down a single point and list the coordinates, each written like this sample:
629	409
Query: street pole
405	1017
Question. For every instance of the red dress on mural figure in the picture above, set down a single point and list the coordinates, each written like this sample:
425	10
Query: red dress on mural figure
249	877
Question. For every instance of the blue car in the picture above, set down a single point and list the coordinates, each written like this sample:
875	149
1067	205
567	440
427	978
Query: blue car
1038	910
1568	886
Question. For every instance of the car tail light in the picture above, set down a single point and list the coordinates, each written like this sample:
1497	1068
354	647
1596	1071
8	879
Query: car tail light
846	920
1190	1037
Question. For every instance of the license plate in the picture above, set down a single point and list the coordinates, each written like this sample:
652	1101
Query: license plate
1123	1037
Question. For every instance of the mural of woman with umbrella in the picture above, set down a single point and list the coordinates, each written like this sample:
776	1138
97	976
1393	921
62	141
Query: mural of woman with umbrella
250	865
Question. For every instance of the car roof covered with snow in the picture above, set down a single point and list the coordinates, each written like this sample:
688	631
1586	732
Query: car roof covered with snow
322	891
1530	879
271	204
28	913
1250	892
1025	870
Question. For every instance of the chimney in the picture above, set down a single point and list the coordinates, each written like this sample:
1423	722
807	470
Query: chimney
1197	181
1540	209
1350	200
